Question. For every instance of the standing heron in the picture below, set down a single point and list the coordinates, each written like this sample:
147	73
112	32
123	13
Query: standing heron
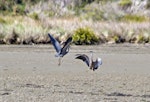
61	51
89	61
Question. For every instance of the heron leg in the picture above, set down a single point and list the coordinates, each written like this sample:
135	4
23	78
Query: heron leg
92	66
59	61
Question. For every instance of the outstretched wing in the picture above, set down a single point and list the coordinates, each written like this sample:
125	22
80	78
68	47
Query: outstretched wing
55	43
66	45
84	58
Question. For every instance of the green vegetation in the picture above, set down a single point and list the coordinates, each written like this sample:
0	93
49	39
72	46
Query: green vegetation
19	9
16	7
2	36
29	21
34	16
125	3
115	38
51	13
2	20
134	18
142	39
10	6
92	13
84	36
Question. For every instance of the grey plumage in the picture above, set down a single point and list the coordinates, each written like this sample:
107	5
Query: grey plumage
84	58
89	61
61	51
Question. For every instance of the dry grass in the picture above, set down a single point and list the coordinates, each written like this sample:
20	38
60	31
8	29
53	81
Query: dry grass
30	31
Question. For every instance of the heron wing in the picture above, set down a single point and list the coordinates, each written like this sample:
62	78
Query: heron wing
67	44
84	58
55	43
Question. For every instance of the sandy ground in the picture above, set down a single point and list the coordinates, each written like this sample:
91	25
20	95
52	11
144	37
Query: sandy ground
31	74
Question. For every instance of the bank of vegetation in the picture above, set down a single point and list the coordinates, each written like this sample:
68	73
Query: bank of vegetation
88	21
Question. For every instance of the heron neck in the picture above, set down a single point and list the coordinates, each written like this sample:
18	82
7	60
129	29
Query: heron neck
91	56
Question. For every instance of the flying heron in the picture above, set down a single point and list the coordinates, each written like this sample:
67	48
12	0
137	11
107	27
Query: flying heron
89	61
61	51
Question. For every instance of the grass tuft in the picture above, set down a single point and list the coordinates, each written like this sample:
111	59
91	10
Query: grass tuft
35	16
134	18
125	3
2	20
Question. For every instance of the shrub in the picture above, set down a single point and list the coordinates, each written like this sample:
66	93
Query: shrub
142	38
118	39
84	36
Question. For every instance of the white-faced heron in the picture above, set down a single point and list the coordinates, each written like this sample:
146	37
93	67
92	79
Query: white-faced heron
89	61
61	51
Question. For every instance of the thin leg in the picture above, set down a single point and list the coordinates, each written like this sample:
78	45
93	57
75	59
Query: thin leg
91	67
59	61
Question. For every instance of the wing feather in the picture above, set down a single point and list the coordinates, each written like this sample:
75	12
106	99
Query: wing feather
55	43
67	44
84	58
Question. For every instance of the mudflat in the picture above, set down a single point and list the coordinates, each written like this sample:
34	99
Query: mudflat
30	73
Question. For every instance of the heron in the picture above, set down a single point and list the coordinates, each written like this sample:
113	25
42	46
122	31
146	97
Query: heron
61	51
89	60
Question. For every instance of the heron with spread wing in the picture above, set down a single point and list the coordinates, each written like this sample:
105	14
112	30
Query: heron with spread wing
89	61
61	51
